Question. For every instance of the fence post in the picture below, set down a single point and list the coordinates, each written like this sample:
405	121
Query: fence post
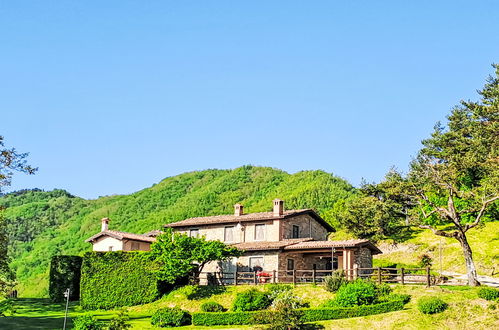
428	277
235	277
294	277
254	277
402	275
379	275
273	276
313	276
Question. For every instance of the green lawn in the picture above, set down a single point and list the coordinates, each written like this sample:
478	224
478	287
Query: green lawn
466	310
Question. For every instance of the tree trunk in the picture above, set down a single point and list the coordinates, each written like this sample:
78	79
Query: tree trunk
468	258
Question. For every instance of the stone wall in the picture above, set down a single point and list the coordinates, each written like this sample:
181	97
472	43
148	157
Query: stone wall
309	227
363	259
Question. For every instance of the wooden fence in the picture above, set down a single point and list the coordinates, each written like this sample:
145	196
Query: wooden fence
295	277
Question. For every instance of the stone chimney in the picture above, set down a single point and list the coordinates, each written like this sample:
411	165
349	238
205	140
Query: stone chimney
238	210
278	207
105	224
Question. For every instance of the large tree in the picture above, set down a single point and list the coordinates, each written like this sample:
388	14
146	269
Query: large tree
179	255
10	161
455	178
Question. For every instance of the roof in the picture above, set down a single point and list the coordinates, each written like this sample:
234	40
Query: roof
261	216
121	235
334	244
306	244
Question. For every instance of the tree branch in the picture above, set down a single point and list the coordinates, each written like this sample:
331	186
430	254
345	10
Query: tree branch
480	214
439	232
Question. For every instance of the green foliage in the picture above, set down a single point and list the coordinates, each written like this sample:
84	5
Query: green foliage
170	317
116	279
383	290
285	313
179	255
120	321
335	281
251	300
275	289
431	305
65	272
488	293
41	224
357	293
212	307
86	322
308	314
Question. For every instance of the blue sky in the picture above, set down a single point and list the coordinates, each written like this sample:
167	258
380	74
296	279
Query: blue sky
110	97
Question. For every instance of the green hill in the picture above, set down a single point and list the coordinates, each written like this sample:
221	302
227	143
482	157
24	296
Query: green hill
42	224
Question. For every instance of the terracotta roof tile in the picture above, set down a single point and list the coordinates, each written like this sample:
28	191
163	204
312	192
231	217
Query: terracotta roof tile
120	235
331	244
260	216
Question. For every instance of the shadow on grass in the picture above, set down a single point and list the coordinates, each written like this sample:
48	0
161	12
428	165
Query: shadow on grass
201	292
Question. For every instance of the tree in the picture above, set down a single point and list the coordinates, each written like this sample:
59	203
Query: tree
10	162
179	255
455	178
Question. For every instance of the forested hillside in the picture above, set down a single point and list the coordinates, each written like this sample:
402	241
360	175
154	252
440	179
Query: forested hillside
42	224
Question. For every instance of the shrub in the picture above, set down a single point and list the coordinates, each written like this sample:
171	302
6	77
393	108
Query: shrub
405	298
86	322
275	290
251	300
120	321
488	293
425	260
230	318
335	281
285	314
117	279
212	307
383	290
431	305
356	293
65	272
170	317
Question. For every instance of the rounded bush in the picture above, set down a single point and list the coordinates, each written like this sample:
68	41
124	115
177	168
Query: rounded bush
212	307
251	300
170	317
335	281
86	322
356	293
431	305
488	293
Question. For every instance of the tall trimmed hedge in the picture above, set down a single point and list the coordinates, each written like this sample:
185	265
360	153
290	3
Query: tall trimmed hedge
65	272
116	279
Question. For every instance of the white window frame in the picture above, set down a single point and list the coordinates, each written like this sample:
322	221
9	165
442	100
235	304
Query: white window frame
233	228
263	261
264	232
193	229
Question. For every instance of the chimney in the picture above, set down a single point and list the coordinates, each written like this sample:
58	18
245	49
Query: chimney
278	207
238	210
105	224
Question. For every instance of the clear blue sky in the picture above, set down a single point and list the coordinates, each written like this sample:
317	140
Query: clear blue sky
112	96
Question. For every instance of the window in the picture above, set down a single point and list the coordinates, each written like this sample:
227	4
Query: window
110	248
256	263
291	264
296	231
135	246
229	234
194	233
259	232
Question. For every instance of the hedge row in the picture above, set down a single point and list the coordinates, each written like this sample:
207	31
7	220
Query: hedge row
116	279
309	314
65	273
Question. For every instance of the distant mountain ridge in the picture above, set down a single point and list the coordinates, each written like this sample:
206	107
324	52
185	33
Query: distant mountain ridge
42	224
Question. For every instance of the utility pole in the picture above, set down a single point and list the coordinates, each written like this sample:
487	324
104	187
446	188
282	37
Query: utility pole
66	294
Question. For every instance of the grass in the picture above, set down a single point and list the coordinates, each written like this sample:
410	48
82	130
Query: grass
466	310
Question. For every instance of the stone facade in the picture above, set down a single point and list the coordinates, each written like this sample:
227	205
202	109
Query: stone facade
308	227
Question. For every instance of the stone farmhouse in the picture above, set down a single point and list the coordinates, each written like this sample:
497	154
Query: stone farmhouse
280	240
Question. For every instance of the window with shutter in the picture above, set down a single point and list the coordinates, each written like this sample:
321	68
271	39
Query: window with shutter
259	232
229	234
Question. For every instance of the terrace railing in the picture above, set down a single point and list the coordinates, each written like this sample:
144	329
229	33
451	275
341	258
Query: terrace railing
316	276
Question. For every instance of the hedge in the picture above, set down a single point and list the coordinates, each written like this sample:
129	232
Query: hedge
65	272
116	279
309	314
